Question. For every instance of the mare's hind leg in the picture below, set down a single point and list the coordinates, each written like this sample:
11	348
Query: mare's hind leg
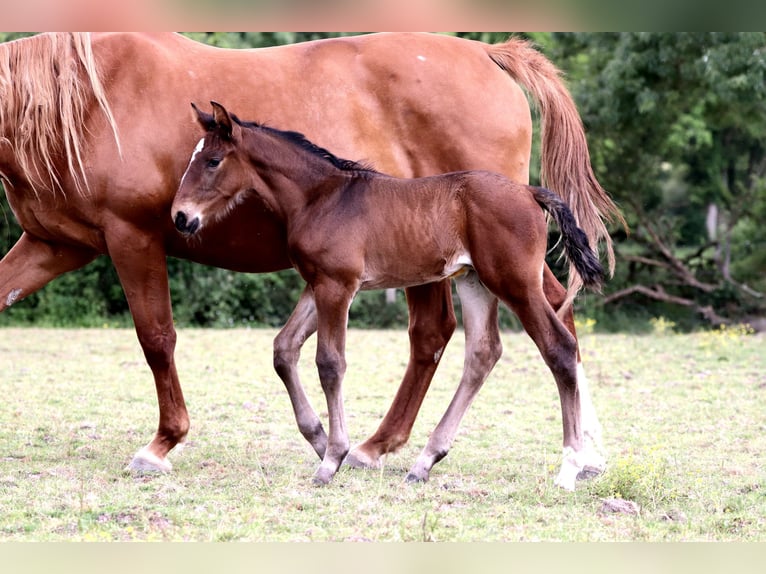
483	349
287	349
432	322
593	455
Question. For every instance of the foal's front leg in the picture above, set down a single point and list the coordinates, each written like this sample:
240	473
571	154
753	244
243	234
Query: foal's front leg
333	300
287	350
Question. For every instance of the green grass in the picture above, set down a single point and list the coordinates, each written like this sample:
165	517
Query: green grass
683	419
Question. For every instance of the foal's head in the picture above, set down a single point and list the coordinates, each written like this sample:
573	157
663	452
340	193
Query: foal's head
218	173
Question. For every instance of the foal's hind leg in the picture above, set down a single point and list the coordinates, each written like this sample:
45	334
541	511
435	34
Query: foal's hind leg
593	455
559	350
483	349
287	349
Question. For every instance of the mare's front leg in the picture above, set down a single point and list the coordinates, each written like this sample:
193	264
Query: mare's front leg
482	351
432	322
139	258
287	350
333	300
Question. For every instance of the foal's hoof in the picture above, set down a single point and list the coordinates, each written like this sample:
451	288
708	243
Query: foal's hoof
145	461
589	472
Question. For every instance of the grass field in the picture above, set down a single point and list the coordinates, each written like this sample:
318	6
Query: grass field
683	419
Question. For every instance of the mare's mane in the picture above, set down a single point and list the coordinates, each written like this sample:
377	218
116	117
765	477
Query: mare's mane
47	84
300	140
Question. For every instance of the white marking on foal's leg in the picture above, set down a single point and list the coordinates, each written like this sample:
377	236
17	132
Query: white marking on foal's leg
438	354
571	466
590	460
593	454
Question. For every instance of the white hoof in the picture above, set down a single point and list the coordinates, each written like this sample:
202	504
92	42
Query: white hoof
146	461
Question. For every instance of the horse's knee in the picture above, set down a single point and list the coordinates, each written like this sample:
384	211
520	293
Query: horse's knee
428	340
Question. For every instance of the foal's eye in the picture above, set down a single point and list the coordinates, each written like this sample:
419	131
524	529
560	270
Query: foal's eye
213	162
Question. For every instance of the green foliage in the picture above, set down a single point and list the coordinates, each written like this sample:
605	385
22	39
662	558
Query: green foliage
645	479
210	297
677	128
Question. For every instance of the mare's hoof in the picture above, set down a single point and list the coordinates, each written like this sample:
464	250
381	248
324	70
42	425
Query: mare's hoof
145	461
359	460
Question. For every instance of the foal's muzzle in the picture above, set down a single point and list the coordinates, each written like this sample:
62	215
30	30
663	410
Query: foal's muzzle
184	225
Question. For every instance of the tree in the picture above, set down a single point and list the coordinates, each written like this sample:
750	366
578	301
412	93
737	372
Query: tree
677	130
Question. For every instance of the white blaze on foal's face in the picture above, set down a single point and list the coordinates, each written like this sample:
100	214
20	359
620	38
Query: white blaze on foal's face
198	148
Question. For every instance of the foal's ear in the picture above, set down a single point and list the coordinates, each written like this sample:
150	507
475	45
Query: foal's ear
205	120
227	127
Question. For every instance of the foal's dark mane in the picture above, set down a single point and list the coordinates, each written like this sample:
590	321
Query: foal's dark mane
300	140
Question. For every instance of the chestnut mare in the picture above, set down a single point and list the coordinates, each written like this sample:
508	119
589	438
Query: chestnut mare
95	133
350	228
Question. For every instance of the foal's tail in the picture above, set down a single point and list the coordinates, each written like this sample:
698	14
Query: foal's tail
566	164
582	259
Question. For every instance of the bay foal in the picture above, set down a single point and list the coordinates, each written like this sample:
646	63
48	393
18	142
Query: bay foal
351	228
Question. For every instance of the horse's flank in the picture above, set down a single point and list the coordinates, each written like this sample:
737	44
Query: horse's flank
48	85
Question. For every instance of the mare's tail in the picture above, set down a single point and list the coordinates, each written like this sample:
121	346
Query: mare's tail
582	259
566	166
